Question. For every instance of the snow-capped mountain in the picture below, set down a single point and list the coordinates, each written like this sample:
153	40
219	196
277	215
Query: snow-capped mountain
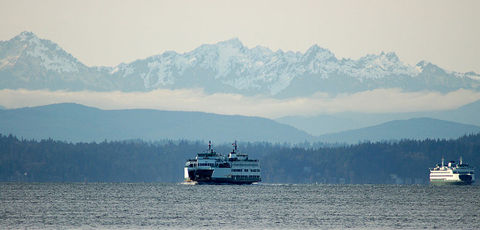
27	61
228	66
49	55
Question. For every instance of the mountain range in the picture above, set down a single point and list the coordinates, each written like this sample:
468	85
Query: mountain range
29	62
78	123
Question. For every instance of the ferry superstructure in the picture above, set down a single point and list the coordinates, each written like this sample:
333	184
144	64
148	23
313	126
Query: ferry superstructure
213	168
452	173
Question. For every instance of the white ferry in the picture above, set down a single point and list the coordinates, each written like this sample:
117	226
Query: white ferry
452	173
212	168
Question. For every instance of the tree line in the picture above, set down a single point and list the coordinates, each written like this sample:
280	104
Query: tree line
405	161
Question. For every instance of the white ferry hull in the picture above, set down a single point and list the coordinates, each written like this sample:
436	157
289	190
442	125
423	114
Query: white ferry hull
454	179
446	182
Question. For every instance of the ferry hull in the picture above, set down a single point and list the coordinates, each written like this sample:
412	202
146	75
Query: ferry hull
200	175
217	176
224	182
460	180
205	177
443	182
457	180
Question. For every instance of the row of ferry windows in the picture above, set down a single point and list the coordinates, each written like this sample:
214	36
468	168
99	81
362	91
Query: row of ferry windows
206	164
244	177
233	170
245	170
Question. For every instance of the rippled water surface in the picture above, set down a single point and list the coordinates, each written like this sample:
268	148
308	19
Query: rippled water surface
265	206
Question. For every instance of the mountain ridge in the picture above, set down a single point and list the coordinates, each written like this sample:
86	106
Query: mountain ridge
79	123
415	128
224	67
339	122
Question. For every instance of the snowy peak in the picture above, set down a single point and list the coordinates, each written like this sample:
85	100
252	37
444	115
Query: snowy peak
427	67
423	64
391	56
319	54
234	43
26	36
374	66
41	52
262	51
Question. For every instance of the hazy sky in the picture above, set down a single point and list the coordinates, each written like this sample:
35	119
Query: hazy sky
106	32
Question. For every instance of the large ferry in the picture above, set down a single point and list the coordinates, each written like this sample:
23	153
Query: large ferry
213	168
452	173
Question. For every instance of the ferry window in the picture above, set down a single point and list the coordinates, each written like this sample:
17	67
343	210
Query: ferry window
245	170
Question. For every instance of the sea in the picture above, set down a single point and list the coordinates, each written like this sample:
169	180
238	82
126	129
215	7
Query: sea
258	206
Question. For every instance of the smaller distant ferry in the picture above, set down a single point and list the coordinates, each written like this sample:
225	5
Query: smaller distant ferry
209	167
453	173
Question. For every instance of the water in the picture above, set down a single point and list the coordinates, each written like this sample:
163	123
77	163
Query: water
266	206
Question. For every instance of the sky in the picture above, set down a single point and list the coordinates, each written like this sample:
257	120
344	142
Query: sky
108	32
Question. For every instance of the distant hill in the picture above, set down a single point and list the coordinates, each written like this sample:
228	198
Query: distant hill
416	128
74	122
339	122
468	114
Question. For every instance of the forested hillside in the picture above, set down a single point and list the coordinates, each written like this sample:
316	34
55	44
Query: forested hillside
405	161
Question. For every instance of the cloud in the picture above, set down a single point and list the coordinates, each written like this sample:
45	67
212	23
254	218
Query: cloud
372	101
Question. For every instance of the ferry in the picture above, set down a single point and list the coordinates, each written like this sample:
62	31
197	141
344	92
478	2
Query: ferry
209	167
452	173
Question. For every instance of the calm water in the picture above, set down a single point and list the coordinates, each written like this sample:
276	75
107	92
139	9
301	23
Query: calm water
133	206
